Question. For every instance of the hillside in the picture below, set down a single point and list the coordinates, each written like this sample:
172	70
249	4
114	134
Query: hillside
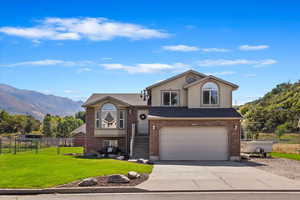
18	101
279	108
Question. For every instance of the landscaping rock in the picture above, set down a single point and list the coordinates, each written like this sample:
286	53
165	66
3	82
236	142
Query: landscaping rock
149	162
133	175
88	182
140	160
118	178
120	158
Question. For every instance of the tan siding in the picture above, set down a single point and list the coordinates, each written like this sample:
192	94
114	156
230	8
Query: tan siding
176	84
195	96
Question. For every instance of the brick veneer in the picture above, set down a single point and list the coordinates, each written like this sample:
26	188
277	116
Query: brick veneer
93	143
233	133
90	121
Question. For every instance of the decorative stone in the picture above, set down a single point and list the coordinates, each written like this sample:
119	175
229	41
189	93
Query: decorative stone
120	158
118	178
88	182
133	175
140	160
149	162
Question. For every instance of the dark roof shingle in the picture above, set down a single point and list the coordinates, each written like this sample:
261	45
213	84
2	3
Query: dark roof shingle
194	112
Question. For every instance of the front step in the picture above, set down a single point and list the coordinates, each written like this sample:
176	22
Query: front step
141	147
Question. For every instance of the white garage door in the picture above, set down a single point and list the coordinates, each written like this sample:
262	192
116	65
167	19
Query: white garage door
193	143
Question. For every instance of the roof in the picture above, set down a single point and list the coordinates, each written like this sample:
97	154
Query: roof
184	112
133	99
211	77
80	129
175	77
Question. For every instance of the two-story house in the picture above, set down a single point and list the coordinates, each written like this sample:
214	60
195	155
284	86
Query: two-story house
186	117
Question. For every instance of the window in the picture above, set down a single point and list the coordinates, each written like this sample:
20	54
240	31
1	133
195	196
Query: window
122	119
210	93
110	143
170	98
108	116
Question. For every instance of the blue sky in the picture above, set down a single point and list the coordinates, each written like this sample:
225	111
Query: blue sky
75	48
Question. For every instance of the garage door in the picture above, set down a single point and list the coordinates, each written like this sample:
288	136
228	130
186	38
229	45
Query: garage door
193	143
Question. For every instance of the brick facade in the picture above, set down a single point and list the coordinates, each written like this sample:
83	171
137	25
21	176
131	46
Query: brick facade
90	121
233	127
93	143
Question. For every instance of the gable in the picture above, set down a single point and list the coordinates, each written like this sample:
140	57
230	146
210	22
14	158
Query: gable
190	76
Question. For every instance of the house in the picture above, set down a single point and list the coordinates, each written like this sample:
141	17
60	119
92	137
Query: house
186	117
78	135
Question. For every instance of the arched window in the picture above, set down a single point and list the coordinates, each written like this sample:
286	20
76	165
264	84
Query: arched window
210	93
108	116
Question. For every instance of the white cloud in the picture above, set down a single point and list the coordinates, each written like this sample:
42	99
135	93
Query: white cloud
221	73
215	50
180	47
224	62
253	47
78	28
147	68
84	69
48	62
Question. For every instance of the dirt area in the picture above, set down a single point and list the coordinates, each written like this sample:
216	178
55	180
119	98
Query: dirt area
286	148
102	181
280	166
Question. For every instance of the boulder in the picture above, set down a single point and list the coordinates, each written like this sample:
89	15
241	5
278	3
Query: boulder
149	162
120	158
88	182
118	178
133	175
140	160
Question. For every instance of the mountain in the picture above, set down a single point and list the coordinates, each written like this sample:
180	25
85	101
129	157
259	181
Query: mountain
19	101
278	109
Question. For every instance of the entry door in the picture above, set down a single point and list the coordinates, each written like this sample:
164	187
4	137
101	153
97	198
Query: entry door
193	143
142	122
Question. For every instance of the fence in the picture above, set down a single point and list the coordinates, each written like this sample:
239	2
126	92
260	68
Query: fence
14	145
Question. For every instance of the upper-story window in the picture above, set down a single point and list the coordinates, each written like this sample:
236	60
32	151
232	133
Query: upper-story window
108	116
210	93
170	98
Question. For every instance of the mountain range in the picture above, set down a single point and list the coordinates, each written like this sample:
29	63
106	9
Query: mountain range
20	101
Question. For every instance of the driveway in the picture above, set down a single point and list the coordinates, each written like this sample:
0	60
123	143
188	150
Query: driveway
198	175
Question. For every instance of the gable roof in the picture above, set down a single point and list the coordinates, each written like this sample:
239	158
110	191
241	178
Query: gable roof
175	77
128	99
211	77
80	129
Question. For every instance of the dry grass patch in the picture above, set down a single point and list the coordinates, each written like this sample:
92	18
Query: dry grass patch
286	148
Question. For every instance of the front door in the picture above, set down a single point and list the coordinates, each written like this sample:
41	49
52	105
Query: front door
142	122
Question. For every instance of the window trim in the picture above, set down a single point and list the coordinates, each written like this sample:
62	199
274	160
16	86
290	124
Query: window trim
162	97
99	109
124	119
210	90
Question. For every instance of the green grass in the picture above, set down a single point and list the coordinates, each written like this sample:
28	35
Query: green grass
47	169
286	155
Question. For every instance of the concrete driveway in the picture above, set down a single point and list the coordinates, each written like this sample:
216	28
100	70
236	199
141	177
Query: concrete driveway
198	175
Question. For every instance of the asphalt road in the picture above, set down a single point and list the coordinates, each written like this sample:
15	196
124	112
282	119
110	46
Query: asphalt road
160	196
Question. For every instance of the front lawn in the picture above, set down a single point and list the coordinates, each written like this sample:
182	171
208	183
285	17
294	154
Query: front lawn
47	169
286	155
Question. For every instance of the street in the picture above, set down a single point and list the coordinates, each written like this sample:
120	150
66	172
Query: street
163	196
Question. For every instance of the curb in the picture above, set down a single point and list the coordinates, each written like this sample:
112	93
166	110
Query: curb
124	189
71	190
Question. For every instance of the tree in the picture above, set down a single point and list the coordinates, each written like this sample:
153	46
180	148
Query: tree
47	129
80	115
280	130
